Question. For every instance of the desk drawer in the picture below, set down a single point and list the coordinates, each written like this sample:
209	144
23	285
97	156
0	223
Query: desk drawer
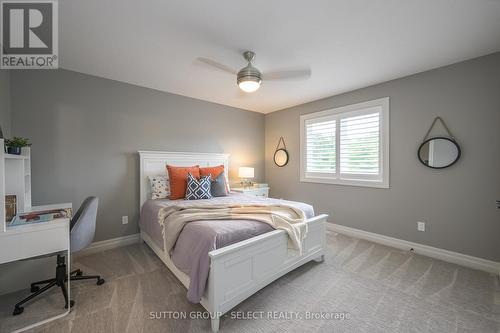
27	244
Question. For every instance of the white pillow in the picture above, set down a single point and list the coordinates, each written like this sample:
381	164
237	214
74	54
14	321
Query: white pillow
160	187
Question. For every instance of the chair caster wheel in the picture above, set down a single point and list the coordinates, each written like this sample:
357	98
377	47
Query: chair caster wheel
18	310
34	289
71	303
79	273
100	281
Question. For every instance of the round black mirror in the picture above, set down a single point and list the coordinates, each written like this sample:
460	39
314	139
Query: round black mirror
281	157
439	152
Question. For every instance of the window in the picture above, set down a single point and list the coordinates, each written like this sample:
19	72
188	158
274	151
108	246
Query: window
347	145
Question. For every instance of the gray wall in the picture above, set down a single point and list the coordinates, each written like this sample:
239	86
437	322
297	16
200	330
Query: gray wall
457	203
86	132
5	113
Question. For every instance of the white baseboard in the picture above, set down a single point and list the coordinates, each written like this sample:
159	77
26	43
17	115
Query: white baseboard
429	251
109	244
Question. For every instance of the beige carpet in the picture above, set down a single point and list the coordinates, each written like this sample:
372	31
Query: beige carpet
382	289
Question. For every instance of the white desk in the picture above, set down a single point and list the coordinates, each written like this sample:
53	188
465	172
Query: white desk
36	239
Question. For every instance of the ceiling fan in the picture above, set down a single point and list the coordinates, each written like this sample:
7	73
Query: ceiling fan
249	77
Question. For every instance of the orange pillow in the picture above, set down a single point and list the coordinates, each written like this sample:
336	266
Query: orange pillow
177	177
215	172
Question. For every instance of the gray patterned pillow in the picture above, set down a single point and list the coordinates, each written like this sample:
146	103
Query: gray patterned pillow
160	188
198	189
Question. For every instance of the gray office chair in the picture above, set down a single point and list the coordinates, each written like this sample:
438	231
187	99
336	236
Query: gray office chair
81	235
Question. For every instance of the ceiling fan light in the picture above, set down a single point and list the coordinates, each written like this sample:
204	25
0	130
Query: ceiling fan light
249	85
249	78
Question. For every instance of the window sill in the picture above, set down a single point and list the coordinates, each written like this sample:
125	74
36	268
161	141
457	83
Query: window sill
346	182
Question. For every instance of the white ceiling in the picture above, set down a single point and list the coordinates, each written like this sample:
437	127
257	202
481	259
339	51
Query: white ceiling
348	44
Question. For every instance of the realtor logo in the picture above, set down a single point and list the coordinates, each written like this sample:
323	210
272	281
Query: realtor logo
29	34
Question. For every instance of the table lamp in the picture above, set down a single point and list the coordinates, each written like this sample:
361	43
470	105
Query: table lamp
245	173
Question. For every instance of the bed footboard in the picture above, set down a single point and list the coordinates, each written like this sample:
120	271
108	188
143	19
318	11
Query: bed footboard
237	271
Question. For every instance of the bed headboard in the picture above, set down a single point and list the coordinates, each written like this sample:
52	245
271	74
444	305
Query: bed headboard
154	163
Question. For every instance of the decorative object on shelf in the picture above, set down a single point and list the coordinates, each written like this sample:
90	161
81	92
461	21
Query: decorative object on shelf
281	154
1	137
439	152
41	216
15	144
10	207
246	174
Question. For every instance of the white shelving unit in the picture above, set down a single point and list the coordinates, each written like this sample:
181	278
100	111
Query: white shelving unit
15	178
2	187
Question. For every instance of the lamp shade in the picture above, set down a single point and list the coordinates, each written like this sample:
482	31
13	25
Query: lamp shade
245	172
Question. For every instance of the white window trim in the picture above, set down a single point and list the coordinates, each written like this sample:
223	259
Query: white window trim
384	145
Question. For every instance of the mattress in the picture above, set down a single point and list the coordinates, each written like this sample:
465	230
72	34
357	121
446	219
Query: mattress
149	213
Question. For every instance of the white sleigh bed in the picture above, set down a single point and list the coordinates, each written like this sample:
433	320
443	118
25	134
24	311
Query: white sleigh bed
239	270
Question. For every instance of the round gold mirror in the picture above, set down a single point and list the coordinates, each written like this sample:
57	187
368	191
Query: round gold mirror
281	157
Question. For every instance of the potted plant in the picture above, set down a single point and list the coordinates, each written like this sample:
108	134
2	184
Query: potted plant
15	144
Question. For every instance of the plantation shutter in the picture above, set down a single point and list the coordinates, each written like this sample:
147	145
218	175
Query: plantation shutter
360	145
348	145
321	146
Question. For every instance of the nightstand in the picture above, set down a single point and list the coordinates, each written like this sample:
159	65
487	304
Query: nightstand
257	191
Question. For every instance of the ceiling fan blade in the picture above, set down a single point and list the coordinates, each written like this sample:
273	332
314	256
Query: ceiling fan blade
215	64
293	74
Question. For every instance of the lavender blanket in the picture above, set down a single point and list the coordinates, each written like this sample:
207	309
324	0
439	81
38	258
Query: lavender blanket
197	239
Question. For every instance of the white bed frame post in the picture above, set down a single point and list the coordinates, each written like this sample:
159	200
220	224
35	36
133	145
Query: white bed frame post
213	294
239	270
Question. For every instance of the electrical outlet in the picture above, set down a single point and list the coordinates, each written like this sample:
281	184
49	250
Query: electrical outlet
421	226
124	219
